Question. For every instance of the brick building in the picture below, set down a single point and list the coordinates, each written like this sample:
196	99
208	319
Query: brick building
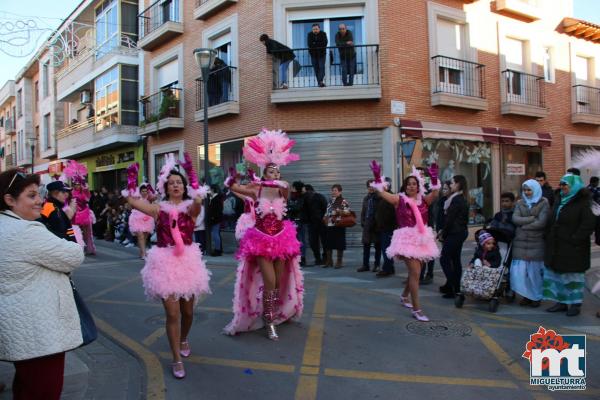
8	143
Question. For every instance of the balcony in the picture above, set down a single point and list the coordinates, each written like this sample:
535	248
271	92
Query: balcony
159	23
11	160
222	94
10	126
82	138
88	61
527	10
161	111
458	83
7	91
523	94
586	105
206	8
361	80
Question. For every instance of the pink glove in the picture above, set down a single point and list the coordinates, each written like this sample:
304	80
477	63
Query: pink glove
379	182
231	178
132	175
188	167
274	184
252	175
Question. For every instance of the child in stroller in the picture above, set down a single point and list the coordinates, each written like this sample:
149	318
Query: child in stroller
487	252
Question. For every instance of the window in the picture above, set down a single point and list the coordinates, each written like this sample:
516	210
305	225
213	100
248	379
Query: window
548	66
583	94
515	56
107	98
20	102
36	94
45	79
47	133
168	74
581	69
107	27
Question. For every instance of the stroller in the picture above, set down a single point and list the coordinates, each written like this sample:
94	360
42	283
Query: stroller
487	283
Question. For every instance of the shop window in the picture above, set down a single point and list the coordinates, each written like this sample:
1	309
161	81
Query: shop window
519	163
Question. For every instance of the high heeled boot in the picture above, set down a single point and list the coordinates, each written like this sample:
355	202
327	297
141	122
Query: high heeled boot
270	302
340	259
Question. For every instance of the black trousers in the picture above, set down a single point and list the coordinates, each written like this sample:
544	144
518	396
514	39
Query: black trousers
450	259
316	239
388	263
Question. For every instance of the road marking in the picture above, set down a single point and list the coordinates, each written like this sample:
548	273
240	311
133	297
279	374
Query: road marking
361	318
384	376
155	384
228	278
225	362
149	341
311	360
113	287
343	279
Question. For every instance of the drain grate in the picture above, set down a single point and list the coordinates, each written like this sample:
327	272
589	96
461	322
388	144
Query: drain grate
439	329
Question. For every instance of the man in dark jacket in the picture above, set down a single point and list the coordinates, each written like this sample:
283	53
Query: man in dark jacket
385	220
315	205
214	219
52	214
370	235
283	54
344	41
547	191
297	213
317	45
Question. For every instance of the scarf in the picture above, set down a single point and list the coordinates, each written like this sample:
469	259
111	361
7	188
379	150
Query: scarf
449	200
537	192
575	185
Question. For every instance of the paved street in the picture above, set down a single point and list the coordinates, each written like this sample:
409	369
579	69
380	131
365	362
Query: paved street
354	341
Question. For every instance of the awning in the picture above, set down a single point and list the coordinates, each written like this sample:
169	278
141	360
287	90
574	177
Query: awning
437	130
580	29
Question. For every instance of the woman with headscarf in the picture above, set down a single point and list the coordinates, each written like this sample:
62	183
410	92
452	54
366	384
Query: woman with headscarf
568	246
530	216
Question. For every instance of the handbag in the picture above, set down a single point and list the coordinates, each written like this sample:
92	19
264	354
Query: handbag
346	220
89	332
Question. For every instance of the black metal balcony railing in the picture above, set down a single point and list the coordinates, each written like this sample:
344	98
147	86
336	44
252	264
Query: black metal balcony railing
331	66
522	88
9	125
460	77
219	89
157	14
587	99
161	105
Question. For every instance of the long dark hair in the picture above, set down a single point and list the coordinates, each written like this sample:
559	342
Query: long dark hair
405	183
18	185
462	181
186	196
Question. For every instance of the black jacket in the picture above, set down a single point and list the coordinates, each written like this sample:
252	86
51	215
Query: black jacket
493	257
457	216
548	193
315	205
296	211
385	217
346	50
215	210
55	219
568	236
317	43
279	50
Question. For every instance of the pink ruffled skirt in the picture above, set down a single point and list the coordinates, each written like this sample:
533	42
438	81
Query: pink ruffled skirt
84	217
283	245
408	242
140	222
165	275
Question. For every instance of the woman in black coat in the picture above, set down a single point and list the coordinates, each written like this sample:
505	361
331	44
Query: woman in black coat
568	246
453	234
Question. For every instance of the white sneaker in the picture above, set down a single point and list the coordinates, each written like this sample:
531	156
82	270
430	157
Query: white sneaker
129	245
125	242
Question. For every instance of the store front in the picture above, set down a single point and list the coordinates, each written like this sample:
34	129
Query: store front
222	156
109	169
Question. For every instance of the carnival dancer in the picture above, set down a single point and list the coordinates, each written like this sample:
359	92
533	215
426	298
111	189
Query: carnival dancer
269	283
140	224
413	241
174	272
84	217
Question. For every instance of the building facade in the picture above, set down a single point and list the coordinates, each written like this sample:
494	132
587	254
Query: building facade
8	142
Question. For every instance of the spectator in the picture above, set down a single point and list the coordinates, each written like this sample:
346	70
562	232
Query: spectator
574	171
454	234
315	205
282	54
219	81
317	45
336	235
214	219
52	214
344	40
567	255
547	190
296	212
230	209
595	191
200	231
38	317
385	220
370	235
531	217
487	252
502	220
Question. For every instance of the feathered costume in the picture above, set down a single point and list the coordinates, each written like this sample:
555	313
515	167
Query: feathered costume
412	239
138	221
174	267
84	217
263	232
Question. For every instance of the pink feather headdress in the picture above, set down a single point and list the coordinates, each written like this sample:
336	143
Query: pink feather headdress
588	159
417	174
270	148
194	189
75	171
170	165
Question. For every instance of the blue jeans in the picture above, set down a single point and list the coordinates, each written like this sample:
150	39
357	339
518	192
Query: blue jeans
388	263
283	71
215	234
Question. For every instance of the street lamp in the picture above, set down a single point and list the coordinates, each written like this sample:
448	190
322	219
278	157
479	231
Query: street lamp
205	58
31	142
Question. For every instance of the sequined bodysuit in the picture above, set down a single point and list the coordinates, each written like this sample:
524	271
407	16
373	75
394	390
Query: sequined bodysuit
404	215
163	232
269	214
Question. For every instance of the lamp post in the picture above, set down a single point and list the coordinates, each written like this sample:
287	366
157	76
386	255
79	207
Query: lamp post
32	147
205	58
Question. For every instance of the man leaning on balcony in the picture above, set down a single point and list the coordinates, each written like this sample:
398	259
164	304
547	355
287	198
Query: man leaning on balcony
317	45
283	54
345	44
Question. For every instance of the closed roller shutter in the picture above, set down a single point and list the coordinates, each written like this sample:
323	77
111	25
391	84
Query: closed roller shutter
339	157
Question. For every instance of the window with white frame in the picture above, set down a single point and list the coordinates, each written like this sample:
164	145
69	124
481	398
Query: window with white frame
47	134
107	27
168	74
583	94
451	48
107	98
548	64
514	52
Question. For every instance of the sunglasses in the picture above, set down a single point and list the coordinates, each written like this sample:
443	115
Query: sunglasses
20	174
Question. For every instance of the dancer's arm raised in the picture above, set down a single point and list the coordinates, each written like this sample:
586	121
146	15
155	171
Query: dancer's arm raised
250	189
143	206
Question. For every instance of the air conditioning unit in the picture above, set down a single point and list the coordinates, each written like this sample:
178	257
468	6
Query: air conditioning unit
86	97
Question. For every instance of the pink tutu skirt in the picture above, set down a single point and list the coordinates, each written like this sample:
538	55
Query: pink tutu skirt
140	222
283	245
408	242
78	235
84	217
165	275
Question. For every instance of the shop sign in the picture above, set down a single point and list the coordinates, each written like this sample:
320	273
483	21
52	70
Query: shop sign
55	168
515	169
126	157
105	160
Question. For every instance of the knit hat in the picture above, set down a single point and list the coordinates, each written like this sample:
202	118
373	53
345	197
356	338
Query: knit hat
484	237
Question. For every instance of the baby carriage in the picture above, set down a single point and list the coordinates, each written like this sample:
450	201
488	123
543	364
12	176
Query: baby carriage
488	283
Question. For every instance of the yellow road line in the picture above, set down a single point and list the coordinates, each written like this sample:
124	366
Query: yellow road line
225	362
155	384
113	287
311	360
437	380
153	337
361	318
127	303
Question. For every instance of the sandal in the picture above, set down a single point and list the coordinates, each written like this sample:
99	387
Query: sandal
418	314
178	370
185	349
405	303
